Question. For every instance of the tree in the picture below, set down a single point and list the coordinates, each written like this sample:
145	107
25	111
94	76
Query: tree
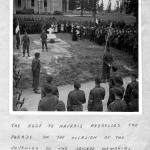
109	6
132	7
101	7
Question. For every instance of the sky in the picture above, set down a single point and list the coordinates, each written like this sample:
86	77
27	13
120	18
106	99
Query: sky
113	2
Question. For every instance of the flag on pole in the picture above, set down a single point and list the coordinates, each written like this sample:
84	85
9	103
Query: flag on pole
108	35
17	29
96	21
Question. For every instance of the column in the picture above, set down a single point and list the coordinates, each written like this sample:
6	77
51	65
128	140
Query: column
67	7
14	6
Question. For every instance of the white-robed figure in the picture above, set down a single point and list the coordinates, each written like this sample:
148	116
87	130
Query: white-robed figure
50	36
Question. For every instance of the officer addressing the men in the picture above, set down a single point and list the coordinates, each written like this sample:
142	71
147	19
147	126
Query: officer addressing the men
36	72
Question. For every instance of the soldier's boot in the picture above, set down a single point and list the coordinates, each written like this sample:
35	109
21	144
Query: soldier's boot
23	55
28	55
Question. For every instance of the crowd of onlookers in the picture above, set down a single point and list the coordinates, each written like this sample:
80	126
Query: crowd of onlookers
123	37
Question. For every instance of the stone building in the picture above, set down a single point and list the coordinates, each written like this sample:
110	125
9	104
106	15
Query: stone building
40	6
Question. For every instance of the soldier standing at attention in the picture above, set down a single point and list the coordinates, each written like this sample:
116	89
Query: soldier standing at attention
44	40
25	43
36	72
76	98
96	96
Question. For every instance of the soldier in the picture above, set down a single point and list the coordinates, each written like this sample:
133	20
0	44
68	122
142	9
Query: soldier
130	87
49	80
133	105
18	39
118	84
44	40
74	35
25	43
96	96
107	63
118	105
76	98
50	102
36	72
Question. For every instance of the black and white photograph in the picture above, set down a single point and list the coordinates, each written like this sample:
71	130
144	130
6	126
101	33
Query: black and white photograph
75	56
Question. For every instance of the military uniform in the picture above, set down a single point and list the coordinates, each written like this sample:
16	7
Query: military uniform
133	105
118	105
112	93
53	87
48	103
26	43
107	62
18	40
36	73
75	100
128	93
95	99
44	40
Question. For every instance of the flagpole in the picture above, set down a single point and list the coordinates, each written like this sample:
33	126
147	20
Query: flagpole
108	35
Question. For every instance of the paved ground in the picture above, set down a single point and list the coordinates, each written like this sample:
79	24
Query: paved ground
32	99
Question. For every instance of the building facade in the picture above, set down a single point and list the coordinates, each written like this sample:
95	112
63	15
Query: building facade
40	6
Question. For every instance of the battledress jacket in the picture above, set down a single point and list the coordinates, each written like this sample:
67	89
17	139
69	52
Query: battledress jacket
96	96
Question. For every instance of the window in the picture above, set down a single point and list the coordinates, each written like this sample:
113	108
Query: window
45	3
32	3
19	3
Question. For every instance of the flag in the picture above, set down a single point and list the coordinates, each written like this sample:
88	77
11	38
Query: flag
96	21
17	29
109	30
108	35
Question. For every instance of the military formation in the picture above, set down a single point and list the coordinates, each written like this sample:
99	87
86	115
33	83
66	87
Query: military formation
123	36
119	35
